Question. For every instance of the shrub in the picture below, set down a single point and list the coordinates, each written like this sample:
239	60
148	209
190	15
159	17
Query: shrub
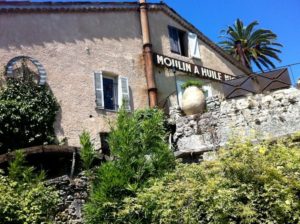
189	83
87	151
18	170
137	142
246	184
27	114
23	196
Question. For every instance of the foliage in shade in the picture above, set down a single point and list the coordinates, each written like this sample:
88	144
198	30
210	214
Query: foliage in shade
137	142
87	151
189	83
259	46
18	170
246	184
27	114
24	198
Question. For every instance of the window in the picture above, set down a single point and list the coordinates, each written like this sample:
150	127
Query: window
178	41
18	67
179	83
111	92
207	91
185	44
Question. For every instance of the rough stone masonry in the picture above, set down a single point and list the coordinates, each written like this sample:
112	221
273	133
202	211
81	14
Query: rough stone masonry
263	115
73	194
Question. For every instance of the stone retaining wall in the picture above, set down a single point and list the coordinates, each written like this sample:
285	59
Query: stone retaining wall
73	193
266	115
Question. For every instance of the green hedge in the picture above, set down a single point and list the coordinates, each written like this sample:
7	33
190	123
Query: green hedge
246	184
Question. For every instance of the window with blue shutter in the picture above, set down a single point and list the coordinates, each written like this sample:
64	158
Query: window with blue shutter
174	40
178	41
111	92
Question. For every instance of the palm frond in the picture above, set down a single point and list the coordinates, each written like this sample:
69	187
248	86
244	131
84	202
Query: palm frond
277	44
259	45
261	61
258	65
270	54
266	60
226	43
272	49
249	28
239	27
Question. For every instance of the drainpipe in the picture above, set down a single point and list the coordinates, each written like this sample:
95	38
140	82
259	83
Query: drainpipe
148	54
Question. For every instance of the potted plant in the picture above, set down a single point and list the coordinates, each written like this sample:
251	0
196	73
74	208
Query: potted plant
193	99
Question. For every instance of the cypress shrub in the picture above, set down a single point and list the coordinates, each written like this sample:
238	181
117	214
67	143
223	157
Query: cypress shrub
137	143
87	150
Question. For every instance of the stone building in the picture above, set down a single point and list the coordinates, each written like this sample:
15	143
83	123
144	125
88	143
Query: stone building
96	56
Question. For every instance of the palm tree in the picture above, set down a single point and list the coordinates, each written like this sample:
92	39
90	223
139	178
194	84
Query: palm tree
251	46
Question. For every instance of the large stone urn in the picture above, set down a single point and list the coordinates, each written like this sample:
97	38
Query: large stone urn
193	100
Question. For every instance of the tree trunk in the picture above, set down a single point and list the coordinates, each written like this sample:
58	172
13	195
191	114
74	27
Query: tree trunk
241	53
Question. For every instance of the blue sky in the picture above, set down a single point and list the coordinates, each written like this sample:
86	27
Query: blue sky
280	16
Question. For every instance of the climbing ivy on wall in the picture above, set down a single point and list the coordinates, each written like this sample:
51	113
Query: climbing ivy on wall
27	113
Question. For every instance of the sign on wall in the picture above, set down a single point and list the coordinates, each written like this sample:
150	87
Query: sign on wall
196	70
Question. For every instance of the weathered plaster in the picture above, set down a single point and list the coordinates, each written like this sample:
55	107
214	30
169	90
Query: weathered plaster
71	46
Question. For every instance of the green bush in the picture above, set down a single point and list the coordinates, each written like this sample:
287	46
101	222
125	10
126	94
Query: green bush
27	114
18	170
87	151
246	184
137	142
189	83
23	196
